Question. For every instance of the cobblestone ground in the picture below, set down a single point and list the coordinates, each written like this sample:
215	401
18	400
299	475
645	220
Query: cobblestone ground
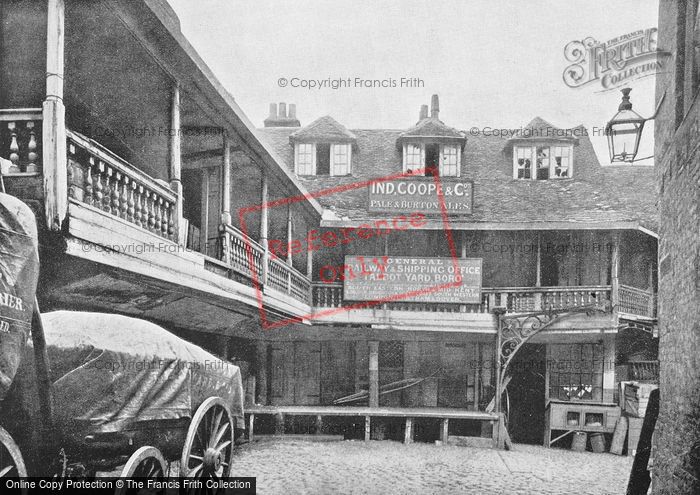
355	467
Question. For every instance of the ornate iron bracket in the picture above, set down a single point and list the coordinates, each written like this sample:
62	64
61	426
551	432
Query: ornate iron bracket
516	329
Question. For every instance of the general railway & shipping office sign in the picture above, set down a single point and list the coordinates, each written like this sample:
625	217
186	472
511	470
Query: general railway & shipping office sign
437	280
422	196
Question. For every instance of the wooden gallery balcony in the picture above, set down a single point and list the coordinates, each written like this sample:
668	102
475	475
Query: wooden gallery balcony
121	216
631	301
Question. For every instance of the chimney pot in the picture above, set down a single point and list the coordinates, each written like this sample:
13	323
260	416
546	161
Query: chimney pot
273	111
282	111
434	107
423	112
292	114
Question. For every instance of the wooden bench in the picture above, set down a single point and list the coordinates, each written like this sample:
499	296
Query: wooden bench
409	414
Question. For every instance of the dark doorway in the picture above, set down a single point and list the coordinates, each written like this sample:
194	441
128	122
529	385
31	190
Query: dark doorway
550	269
432	159
323	159
526	392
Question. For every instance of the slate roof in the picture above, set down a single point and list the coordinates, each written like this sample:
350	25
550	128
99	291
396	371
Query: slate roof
540	130
323	129
434	128
602	195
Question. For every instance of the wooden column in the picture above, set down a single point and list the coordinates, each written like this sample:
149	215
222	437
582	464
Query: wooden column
204	214
408	431
261	373
538	276
290	234
264	225
373	373
226	183
55	159
615	271
444	430
176	164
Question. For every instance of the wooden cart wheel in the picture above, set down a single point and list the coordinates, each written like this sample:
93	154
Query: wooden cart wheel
208	449
11	462
146	462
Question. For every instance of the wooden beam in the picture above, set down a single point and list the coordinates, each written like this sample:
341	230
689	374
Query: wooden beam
368	426
444	430
204	214
195	156
54	159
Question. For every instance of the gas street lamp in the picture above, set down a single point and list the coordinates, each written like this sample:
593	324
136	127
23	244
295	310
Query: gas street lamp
624	131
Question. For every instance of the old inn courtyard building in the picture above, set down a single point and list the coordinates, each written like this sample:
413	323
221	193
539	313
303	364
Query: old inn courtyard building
310	253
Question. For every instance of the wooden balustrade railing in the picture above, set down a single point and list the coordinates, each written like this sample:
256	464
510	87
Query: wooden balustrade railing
514	299
241	253
636	301
244	255
101	179
20	139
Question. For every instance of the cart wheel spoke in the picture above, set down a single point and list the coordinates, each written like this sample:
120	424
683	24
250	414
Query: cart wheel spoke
194	472
220	434
223	446
215	428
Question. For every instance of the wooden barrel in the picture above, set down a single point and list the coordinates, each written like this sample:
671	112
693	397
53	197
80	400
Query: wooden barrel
578	443
598	442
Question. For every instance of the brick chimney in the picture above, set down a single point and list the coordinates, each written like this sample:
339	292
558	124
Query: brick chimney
423	112
280	117
434	107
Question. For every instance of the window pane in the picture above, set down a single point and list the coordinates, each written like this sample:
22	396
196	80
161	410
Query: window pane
305	159
562	161
449	165
523	162
341	164
542	162
413	157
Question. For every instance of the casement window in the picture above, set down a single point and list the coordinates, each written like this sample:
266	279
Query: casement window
443	157
576	371
413	157
542	162
340	159
449	161
305	159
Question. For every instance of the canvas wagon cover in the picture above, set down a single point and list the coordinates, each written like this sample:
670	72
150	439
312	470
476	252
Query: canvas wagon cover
110	372
19	272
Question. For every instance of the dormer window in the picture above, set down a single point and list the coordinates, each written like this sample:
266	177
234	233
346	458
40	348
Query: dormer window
431	145
322	158
429	156
323	147
542	162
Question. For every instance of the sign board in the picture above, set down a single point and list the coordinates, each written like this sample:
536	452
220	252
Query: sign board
371	278
422	196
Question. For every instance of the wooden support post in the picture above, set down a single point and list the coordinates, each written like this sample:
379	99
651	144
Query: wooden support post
279	423
368	425
55	158
226	183
615	271
373	373
261	373
444	430
204	214
264	225
176	165
408	431
319	424
251	424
